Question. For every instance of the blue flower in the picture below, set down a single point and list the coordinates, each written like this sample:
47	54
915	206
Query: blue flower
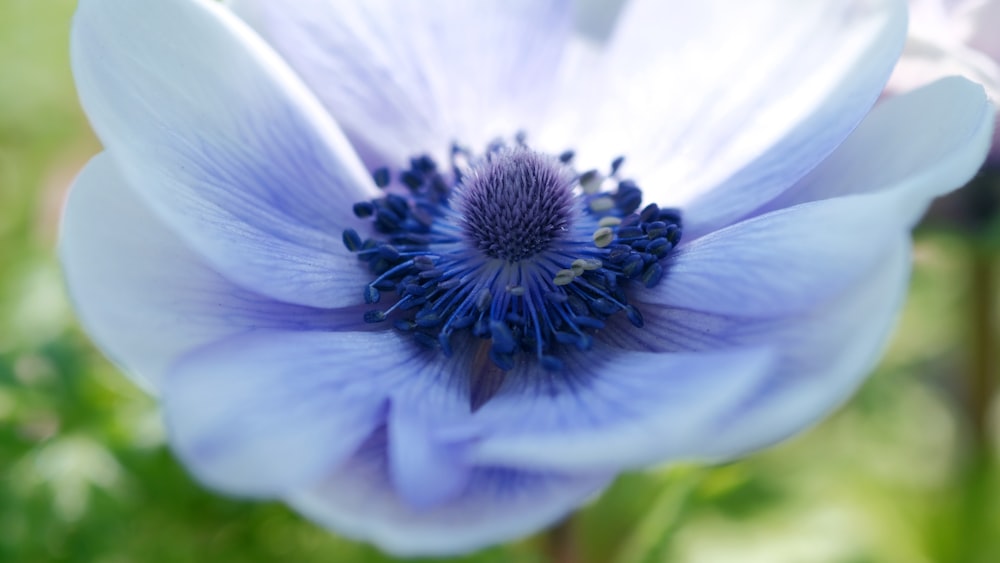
383	261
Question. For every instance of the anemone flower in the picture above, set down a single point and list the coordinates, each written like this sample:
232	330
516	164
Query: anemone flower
435	273
952	37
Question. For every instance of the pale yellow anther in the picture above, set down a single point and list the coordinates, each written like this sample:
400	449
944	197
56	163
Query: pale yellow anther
592	184
603	237
587	264
515	290
564	277
602	204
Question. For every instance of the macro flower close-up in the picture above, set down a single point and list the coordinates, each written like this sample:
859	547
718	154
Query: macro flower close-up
435	273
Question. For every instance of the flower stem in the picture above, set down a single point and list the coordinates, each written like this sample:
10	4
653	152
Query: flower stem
560	543
975	522
983	366
652	539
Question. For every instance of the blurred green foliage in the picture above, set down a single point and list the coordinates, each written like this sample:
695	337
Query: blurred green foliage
898	475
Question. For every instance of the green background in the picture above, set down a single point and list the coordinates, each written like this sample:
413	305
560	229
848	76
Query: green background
903	473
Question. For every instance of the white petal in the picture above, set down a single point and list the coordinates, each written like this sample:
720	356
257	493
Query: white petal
979	20
721	105
919	145
223	141
853	206
143	296
406	78
495	506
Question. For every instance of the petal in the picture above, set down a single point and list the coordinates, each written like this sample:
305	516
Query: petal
719	106
425	472
947	39
142	294
823	354
223	142
826	354
496	505
783	262
927	59
725	385
406	78
628	411
920	145
268	412
831	229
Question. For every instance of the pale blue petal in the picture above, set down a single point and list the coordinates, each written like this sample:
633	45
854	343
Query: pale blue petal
612	410
854	206
496	505
224	142
409	77
827	353
924	143
719	106
425	472
268	412
823	354
782	263
142	294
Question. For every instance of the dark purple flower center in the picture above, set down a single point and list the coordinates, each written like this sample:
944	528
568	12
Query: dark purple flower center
515	204
513	248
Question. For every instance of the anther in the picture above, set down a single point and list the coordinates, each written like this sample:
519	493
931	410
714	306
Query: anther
515	290
564	277
602	204
603	237
381	177
352	240
652	275
590	181
616	164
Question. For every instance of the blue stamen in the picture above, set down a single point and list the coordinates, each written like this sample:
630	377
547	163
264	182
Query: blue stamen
381	177
352	240
512	247
363	209
616	164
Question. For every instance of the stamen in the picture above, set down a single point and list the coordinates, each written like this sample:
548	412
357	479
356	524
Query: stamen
603	237
512	247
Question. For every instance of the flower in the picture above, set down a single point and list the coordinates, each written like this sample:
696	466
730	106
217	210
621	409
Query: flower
952	37
956	37
522	325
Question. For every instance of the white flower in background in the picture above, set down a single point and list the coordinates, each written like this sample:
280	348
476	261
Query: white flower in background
952	37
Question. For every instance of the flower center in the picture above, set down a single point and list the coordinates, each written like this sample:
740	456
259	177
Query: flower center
513	249
515	204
